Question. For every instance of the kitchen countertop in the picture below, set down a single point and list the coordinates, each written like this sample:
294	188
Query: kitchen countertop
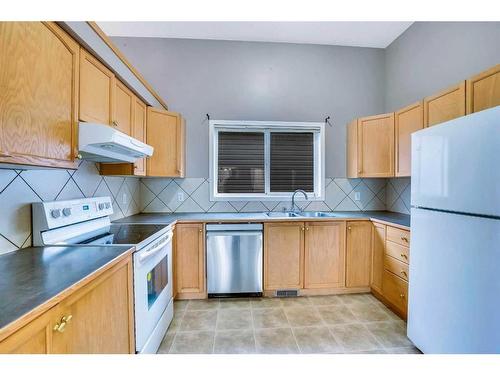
31	277
388	217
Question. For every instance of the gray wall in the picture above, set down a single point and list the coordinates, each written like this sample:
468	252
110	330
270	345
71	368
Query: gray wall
260	81
431	56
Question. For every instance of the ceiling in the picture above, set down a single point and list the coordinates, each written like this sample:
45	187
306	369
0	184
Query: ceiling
357	34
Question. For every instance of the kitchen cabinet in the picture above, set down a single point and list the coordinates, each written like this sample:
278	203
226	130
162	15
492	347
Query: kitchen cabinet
39	83
138	132
375	146
352	149
396	293
166	133
189	260
406	121
324	261
483	90
358	253
284	255
123	108
97	317
97	87
378	251
445	105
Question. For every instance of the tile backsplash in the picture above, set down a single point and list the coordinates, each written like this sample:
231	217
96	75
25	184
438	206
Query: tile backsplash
18	189
192	195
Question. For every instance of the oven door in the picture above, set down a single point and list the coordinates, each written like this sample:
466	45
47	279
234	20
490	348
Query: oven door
152	286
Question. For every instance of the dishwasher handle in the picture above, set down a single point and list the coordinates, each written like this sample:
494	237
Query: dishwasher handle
234	233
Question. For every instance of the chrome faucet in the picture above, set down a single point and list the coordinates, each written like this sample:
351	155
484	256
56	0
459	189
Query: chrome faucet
293	199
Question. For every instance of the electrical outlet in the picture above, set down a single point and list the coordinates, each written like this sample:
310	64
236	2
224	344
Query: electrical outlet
357	196
180	196
124	198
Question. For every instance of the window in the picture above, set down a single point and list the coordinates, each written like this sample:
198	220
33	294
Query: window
266	160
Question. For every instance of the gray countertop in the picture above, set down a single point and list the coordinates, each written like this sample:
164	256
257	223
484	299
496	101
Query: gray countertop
158	218
32	276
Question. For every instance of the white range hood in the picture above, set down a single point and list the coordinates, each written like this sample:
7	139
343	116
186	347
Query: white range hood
102	143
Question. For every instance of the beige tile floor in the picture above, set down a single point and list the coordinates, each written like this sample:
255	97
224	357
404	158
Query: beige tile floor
355	323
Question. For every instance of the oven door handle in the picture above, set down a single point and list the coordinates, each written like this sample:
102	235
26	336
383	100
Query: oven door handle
151	252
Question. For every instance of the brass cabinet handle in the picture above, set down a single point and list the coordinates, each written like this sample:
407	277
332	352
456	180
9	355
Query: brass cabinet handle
349	228
114	123
404	239
302	228
403	272
404	256
307	228
79	156
402	296
61	326
66	319
201	230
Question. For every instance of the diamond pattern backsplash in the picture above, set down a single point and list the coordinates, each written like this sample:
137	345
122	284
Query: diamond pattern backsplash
398	193
162	195
18	189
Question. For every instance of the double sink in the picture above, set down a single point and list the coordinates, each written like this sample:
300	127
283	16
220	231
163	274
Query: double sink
300	214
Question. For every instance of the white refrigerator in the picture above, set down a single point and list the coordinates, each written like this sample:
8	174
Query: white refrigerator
454	284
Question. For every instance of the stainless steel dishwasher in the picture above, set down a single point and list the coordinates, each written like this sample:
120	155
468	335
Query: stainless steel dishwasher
234	259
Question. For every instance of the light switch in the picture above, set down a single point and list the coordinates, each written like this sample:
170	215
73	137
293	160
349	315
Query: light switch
357	196
124	198
180	196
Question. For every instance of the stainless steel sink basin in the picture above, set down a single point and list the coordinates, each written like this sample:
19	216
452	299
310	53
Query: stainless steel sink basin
282	214
317	214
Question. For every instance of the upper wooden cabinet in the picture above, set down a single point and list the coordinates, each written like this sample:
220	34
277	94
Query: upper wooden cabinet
483	90
376	146
352	149
189	261
445	106
123	109
406	121
97	86
38	95
324	260
358	253
284	255
166	133
139	132
94	318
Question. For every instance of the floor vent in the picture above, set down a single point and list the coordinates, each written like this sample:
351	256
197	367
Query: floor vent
287	293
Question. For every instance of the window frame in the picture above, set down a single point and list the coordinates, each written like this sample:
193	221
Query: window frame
318	128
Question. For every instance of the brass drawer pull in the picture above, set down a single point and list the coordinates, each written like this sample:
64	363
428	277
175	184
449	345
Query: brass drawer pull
404	239
403	272
402	296
404	256
61	326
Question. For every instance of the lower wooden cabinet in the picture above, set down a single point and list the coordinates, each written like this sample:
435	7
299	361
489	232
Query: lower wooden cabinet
358	253
284	255
396	292
95	318
324	255
189	261
378	251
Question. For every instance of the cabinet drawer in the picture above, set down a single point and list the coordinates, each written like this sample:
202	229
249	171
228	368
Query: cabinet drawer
399	252
398	236
396	291
396	267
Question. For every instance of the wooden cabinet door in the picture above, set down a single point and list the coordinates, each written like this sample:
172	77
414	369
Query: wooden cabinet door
483	90
283	255
378	251
324	260
34	338
189	259
358	253
376	146
352	149
99	317
97	84
139	132
445	106
165	132
406	121
123	109
38	94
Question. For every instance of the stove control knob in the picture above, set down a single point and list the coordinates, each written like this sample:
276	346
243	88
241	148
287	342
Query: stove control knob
55	213
66	211
108	205
101	206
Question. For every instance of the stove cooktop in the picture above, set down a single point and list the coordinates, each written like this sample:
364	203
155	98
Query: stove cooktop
125	234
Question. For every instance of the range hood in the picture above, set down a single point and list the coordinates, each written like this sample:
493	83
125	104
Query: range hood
103	143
